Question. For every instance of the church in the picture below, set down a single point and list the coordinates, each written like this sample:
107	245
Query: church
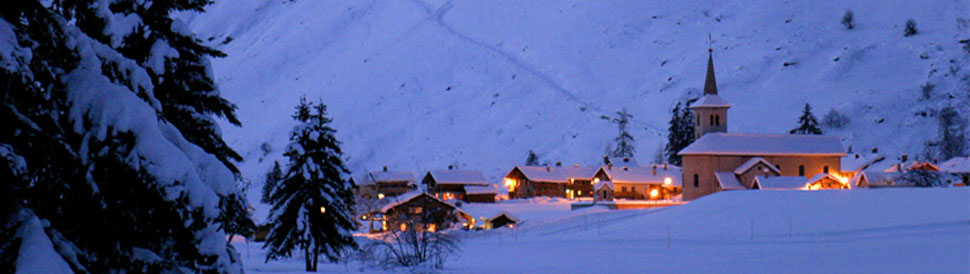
718	160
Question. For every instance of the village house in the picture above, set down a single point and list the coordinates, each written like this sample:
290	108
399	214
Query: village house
655	182
959	167
719	161
501	219
418	210
819	181
449	184
384	183
558	181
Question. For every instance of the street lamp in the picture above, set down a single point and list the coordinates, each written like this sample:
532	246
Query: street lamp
323	210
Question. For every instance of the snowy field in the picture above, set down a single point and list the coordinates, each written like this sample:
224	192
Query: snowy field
830	231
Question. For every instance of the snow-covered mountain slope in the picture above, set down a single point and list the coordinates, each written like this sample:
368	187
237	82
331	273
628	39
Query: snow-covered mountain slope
417	85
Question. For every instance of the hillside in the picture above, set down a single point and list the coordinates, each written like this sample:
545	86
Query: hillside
417	85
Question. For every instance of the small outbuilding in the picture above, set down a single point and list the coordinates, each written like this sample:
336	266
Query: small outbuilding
603	190
480	194
384	183
502	219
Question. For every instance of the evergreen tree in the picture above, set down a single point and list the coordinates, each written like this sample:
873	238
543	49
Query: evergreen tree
807	123
532	160
312	203
680	133
624	142
92	156
952	134
272	178
848	20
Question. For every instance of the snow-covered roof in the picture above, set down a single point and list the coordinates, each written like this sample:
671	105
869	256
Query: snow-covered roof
821	176
956	165
752	162
912	165
857	162
780	182
877	178
711	100
855	180
602	184
556	174
728	180
764	144
644	174
458	177
476	189
404	198
507	215
386	176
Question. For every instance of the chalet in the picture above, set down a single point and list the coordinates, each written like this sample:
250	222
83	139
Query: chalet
480	194
384	184
656	182
557	181
719	161
819	181
912	165
855	163
449	184
417	210
501	219
958	167
603	190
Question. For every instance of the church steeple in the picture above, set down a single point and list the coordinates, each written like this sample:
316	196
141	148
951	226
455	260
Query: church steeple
710	112
710	85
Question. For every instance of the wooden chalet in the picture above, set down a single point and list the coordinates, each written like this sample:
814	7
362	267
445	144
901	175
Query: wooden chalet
959	167
449	184
380	184
418	210
501	219
817	182
655	182
551	181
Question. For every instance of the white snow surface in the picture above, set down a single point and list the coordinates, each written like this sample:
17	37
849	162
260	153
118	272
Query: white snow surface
36	254
749	231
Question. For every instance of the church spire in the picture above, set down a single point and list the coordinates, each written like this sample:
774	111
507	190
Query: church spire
710	85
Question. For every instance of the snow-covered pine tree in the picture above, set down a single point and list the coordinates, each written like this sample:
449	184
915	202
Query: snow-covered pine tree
102	181
952	132
312	203
807	123
680	133
177	64
273	177
624	142
532	160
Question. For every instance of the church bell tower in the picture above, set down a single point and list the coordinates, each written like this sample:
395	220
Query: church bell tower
710	112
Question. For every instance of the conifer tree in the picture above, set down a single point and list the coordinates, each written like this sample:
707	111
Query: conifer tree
624	141
807	123
313	202
94	157
273	177
532	160
680	133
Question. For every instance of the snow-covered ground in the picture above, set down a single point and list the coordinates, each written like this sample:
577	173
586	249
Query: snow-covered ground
829	231
421	84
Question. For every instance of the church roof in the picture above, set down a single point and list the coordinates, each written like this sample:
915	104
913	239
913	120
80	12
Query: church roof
711	101
765	144
710	84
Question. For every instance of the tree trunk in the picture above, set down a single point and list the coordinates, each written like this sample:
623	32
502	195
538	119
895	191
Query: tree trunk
306	258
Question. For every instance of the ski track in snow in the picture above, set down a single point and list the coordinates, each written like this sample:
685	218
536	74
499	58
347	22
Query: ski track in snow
437	16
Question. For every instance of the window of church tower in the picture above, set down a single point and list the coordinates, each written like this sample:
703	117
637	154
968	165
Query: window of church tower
717	120
712	120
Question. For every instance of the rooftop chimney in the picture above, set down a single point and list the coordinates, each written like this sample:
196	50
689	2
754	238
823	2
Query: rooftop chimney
625	168
904	157
558	164
665	165
654	170
548	169
626	159
450	167
385	168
